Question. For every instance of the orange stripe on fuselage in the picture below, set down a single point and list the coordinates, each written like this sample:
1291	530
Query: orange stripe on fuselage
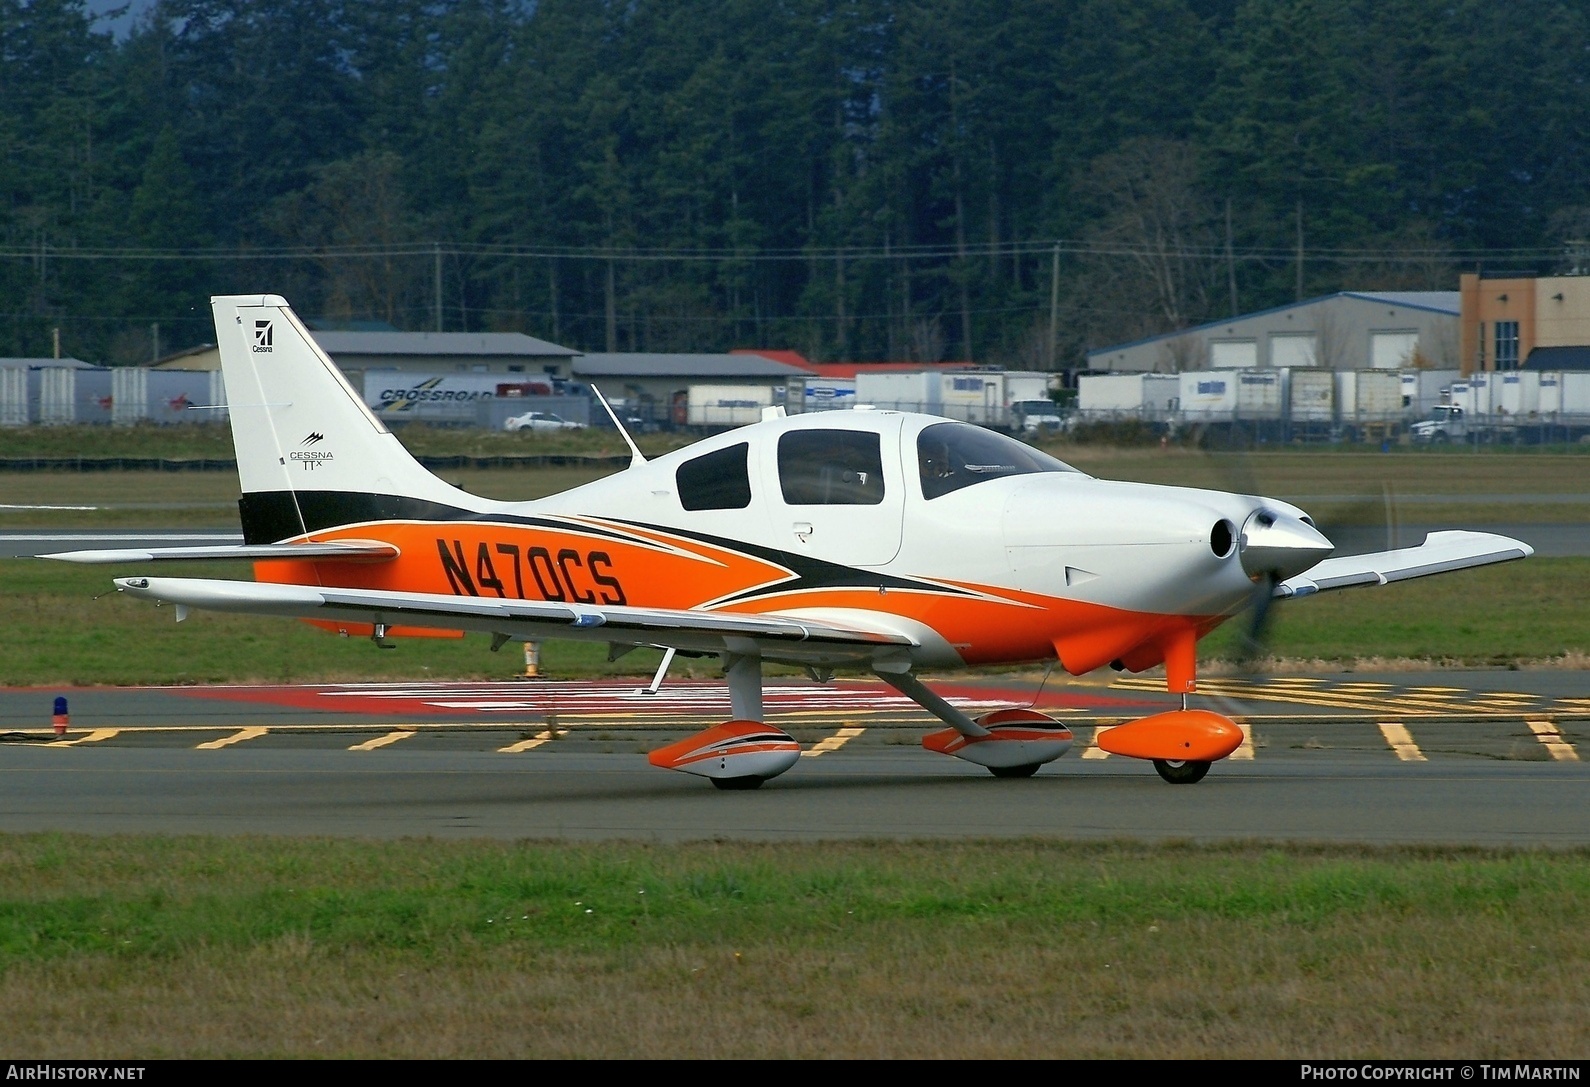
602	563
493	560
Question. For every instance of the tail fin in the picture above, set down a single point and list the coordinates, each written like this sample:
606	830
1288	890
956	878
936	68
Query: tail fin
310	454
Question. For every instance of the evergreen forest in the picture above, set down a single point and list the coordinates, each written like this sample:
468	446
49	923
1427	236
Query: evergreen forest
1001	181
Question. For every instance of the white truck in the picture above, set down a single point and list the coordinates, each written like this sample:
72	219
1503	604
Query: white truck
1523	406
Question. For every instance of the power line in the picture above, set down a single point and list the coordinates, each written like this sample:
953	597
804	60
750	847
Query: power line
1034	248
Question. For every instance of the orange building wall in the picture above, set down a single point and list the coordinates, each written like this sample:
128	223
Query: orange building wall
1486	301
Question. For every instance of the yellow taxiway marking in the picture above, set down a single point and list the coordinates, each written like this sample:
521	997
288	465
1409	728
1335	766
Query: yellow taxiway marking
1546	732
1245	748
94	737
1094	751
1576	703
832	743
252	733
1401	741
1363	696
534	742
382	741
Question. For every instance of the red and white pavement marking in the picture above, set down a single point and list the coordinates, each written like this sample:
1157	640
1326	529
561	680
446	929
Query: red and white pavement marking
628	699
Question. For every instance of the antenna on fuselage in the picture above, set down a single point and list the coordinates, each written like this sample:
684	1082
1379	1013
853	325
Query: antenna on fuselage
635	457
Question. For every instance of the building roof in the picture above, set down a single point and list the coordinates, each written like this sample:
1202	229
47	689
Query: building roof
848	370
1437	301
663	364
175	360
794	358
349	324
1448	302
453	344
1558	358
841	370
64	364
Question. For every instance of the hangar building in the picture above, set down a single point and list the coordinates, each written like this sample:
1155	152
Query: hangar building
1351	330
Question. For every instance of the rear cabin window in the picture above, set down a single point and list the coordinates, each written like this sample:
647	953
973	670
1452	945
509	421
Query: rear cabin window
830	468
719	480
955	455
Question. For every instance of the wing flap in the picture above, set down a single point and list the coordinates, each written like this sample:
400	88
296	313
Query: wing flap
338	551
684	629
1441	553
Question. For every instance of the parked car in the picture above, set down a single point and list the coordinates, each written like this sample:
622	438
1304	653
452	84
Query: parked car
540	420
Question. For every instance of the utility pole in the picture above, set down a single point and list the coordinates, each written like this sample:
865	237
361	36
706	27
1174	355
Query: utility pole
1054	306
56	336
438	252
1231	261
1299	249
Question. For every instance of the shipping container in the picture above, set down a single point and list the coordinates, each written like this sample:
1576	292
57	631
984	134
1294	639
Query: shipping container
1368	396
915	391
821	394
13	396
1479	400
1576	392
1102	395
1161	396
1311	397
1520	393
1209	396
1550	392
1026	385
58	395
1259	395
728	405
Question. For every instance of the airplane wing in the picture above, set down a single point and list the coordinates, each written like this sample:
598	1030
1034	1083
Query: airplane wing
707	631
1441	552
340	550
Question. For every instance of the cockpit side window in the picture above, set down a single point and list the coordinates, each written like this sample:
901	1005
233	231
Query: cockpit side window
830	468
719	480
955	455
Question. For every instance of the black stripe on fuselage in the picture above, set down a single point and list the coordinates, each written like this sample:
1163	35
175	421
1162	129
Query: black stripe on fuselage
273	516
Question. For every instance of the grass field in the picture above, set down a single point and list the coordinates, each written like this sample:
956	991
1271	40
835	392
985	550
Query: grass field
58	633
187	947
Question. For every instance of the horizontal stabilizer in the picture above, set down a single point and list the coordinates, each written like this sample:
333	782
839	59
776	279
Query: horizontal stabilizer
340	551
711	631
1441	553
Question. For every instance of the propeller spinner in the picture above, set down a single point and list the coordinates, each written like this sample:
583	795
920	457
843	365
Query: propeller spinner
1278	545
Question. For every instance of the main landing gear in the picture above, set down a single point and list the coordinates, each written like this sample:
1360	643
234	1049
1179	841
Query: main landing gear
738	754
743	753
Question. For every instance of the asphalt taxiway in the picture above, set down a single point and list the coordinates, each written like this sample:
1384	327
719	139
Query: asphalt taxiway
1470	757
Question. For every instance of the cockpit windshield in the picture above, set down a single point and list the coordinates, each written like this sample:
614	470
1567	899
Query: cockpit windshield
955	455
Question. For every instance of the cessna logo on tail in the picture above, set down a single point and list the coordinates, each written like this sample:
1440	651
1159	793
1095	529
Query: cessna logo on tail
311	459
263	336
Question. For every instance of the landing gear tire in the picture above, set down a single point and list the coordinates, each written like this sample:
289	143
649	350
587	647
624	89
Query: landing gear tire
1179	772
739	784
1026	771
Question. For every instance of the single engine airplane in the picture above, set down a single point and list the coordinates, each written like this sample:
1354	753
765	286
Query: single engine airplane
882	540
